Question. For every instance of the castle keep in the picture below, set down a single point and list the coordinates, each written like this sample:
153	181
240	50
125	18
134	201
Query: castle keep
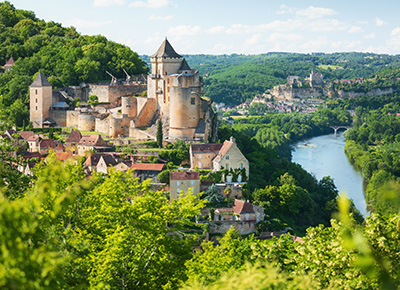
174	94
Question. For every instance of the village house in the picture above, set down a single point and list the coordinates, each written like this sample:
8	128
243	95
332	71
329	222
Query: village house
33	143
91	143
45	145
105	163
123	166
181	181
230	157
201	155
73	139
146	171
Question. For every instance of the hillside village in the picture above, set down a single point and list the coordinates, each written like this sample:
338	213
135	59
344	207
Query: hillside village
118	132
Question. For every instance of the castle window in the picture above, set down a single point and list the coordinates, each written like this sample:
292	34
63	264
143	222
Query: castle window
35	92
193	101
36	108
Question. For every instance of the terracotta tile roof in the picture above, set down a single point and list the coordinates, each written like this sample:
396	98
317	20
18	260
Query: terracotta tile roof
29	155
10	61
242	207
33	138
62	156
185	175
60	147
223	209
26	134
92	140
74	137
47	144
148	166
224	149
205	148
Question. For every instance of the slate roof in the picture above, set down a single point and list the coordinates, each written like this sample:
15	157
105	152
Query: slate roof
148	166
48	121
40	81
109	160
166	50
74	137
92	160
184	65
63	105
186	175
201	127
242	207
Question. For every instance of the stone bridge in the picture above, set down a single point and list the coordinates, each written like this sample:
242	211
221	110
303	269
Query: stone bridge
336	128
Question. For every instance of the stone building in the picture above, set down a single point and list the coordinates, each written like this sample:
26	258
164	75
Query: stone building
180	182
174	93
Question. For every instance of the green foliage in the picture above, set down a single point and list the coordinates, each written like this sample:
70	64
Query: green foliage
212	195
93	100
178	153
163	176
65	57
159	134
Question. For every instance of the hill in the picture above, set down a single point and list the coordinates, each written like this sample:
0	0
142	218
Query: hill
62	54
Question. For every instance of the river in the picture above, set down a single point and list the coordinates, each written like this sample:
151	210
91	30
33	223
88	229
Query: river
324	156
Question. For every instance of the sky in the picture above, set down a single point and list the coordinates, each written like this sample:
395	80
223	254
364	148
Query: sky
231	26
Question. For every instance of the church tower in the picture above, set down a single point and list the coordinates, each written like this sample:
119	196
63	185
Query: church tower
41	97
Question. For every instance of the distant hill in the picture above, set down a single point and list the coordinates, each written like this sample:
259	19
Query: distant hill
234	78
62	54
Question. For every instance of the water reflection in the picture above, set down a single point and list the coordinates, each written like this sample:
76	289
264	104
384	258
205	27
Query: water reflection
324	156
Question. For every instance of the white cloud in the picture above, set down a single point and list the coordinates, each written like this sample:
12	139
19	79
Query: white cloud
394	39
253	40
83	23
370	36
107	3
162	18
216	29
355	29
326	25
276	36
312	12
379	22
184	30
286	10
151	4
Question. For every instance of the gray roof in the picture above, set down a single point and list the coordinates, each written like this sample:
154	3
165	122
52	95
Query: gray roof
48	121
40	81
60	105
184	65
166	50
201	127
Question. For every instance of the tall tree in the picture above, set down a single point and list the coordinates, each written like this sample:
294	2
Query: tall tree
159	134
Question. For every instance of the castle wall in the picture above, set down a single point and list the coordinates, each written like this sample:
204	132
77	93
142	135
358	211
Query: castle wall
102	126
113	94
184	113
116	127
146	113
86	122
58	116
72	119
138	134
129	106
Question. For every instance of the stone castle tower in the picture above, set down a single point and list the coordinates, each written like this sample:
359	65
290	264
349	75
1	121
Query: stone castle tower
41	99
178	90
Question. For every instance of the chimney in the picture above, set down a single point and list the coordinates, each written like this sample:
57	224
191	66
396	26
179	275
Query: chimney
233	140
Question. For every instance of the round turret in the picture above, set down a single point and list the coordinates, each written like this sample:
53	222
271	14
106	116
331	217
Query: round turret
86	122
129	106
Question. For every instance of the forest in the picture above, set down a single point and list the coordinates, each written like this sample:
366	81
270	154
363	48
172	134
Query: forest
62	54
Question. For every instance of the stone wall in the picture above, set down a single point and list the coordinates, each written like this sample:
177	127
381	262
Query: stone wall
146	114
138	134
243	227
86	122
103	126
113	94
72	119
59	116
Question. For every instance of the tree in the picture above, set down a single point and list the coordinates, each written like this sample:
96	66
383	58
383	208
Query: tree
159	134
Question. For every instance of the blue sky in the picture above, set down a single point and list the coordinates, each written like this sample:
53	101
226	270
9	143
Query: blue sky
230	26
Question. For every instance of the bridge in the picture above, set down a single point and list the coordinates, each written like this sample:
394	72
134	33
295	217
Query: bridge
336	128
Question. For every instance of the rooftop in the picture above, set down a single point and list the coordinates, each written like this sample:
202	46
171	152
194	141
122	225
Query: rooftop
166	50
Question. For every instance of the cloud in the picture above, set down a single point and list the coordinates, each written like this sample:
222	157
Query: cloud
151	4
379	22
83	23
162	18
285	10
312	12
184	30
216	29
355	29
370	36
107	3
394	39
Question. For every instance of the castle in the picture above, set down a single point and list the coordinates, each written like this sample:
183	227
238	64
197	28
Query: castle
174	94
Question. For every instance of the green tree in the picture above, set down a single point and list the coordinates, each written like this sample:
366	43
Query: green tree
159	134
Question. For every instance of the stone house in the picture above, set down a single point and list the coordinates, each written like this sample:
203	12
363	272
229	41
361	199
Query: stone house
91	143
33	142
9	64
201	155
147	171
230	157
105	162
45	145
74	137
123	166
241	211
180	182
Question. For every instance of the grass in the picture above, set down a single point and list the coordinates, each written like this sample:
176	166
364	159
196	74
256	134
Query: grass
329	66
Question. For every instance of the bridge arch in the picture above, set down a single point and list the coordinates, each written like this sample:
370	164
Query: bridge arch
336	128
